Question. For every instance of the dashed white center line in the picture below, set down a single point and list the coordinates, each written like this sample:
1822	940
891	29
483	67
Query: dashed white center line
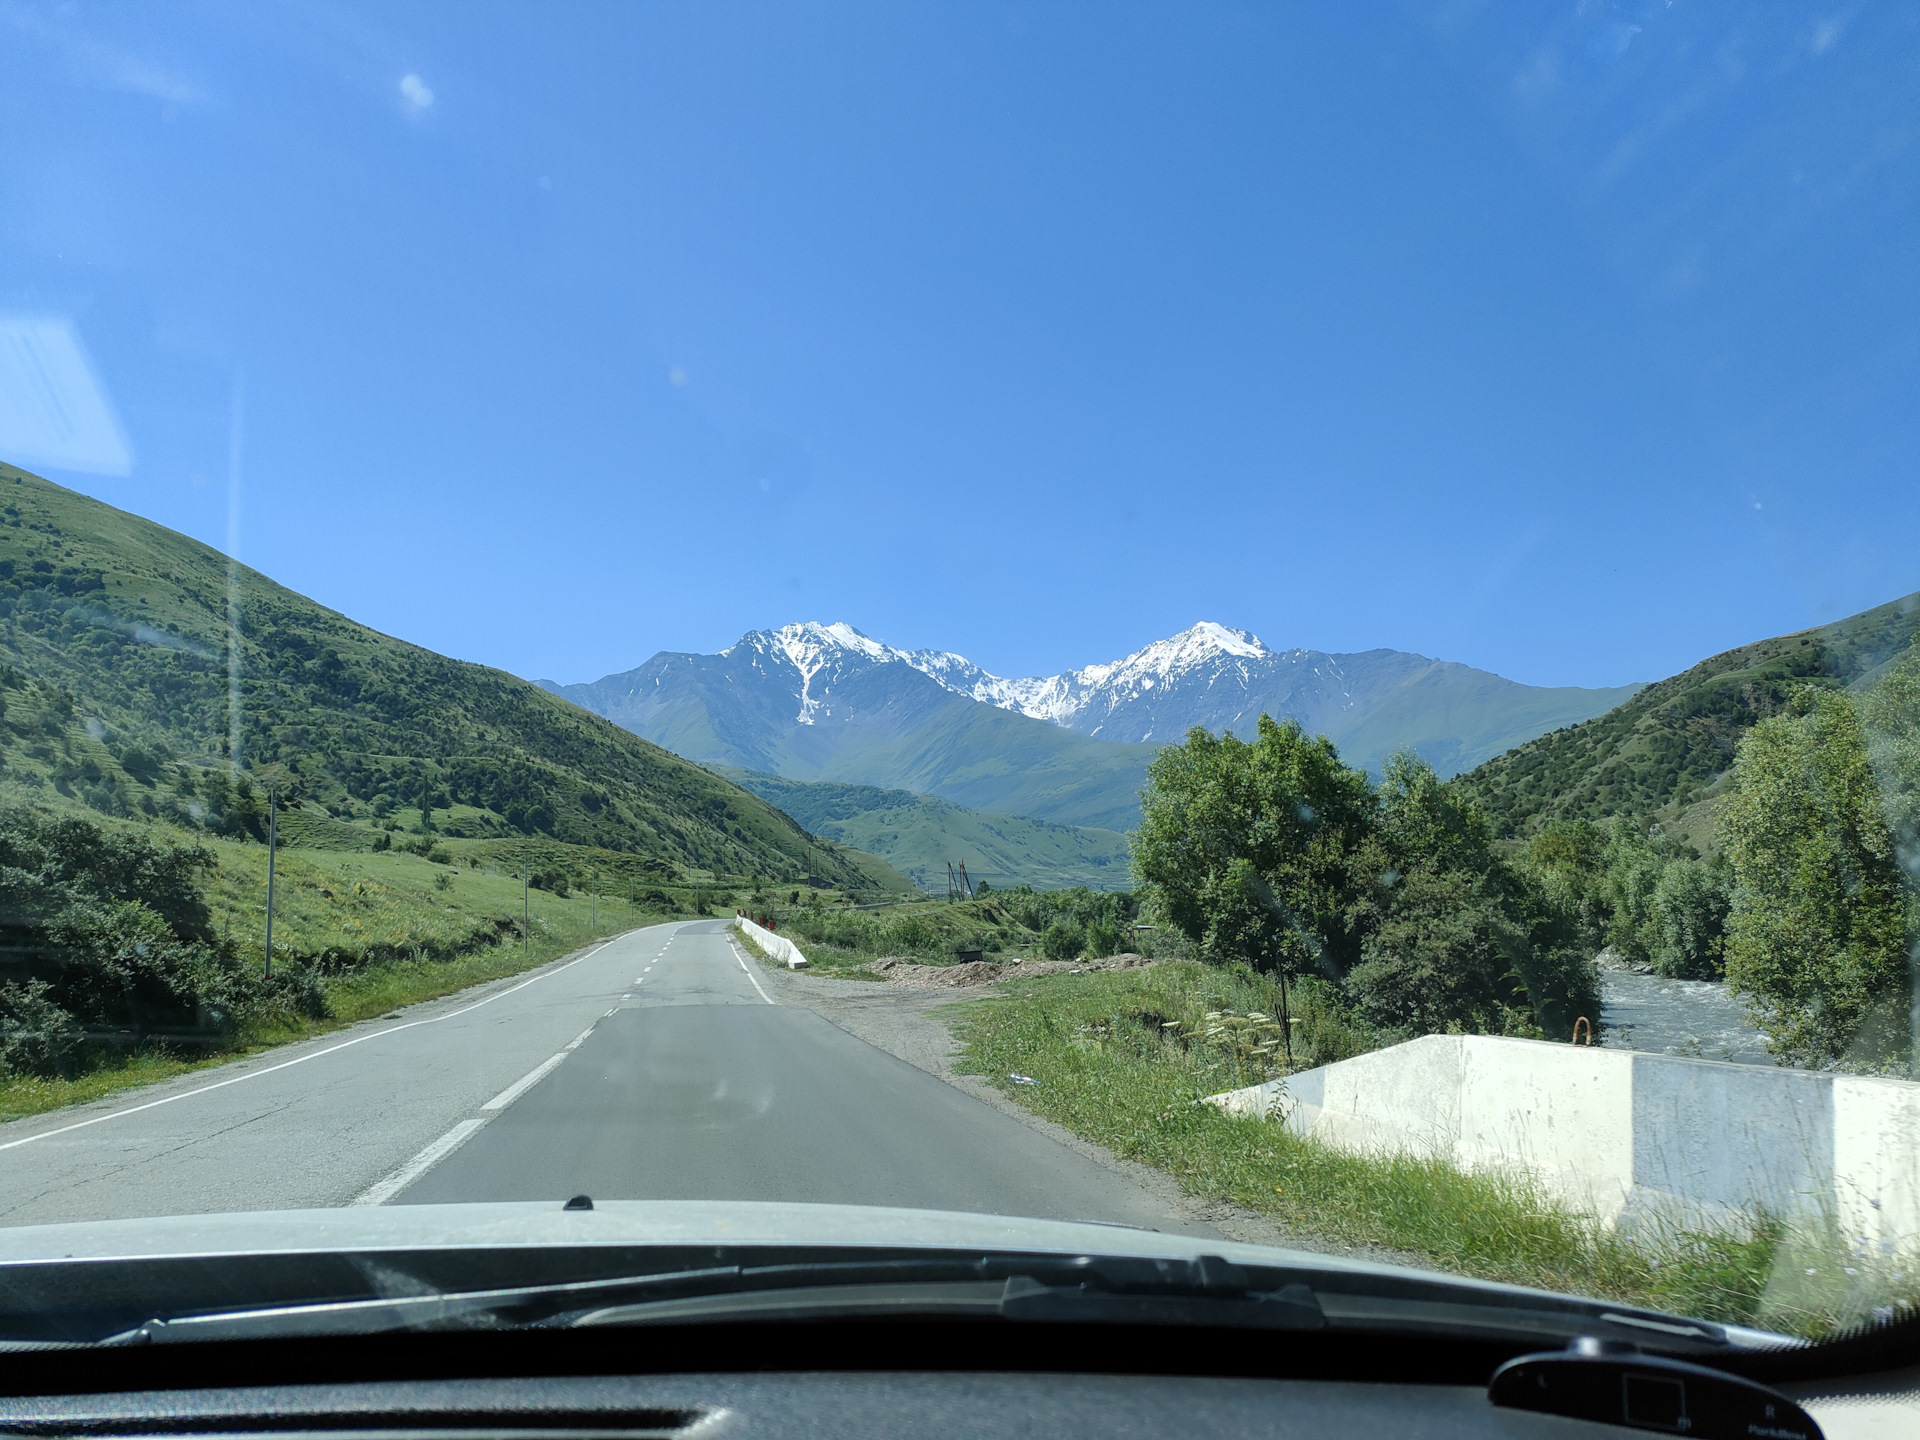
384	1190
580	1039
525	1083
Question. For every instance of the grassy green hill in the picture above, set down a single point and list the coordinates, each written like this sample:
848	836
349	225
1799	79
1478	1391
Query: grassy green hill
1663	750
919	835
119	694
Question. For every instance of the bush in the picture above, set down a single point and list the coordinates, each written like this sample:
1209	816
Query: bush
1103	939
113	936
1690	920
1062	940
1820	928
37	1037
1440	962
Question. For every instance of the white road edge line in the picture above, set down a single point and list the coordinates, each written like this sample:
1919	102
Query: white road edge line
302	1059
753	977
525	1083
384	1190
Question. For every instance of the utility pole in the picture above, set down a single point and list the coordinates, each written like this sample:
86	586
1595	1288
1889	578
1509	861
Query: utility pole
593	904
273	845
526	902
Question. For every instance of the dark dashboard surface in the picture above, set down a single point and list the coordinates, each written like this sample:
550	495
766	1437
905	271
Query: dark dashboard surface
846	1404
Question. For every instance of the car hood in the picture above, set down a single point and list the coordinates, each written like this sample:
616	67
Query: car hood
614	1222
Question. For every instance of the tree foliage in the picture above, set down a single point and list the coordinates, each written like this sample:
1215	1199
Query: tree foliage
1275	854
105	939
1822	923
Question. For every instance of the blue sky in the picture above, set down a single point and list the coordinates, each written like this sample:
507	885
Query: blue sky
1575	341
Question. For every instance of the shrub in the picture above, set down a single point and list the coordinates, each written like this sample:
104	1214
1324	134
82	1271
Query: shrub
1690	919
37	1037
1062	940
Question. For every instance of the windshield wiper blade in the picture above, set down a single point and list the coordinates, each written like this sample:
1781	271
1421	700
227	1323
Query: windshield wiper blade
1066	1287
1018	1297
453	1309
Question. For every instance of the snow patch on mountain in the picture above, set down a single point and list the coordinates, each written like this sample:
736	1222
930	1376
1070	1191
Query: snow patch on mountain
1075	698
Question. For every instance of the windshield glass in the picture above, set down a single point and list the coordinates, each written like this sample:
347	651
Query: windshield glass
1271	624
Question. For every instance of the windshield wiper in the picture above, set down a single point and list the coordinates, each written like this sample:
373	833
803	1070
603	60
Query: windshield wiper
1019	1297
1072	1289
1206	1291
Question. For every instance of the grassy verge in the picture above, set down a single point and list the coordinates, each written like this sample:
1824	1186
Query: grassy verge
1121	1057
397	933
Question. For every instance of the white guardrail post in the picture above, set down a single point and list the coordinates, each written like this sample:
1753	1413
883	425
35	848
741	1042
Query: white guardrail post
778	946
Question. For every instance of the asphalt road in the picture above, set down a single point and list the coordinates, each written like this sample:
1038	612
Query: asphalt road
656	1066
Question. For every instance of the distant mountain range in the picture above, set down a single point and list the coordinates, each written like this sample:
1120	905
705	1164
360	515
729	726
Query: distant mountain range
825	702
1370	704
814	702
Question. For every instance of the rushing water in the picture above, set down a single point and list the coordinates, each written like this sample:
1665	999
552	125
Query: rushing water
1695	1018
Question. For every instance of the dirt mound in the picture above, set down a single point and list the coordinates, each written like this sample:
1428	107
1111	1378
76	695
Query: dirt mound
896	971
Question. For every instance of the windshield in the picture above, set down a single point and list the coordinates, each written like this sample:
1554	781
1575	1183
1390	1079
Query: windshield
1273	624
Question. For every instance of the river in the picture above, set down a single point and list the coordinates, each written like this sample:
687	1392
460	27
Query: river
1696	1018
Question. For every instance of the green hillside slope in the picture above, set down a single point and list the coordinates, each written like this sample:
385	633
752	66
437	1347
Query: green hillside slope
1665	748
919	835
114	638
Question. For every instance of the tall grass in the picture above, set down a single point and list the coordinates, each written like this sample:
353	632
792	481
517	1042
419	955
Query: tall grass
1121	1058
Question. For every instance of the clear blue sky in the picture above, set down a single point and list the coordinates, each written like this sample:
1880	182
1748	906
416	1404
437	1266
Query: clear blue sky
1575	341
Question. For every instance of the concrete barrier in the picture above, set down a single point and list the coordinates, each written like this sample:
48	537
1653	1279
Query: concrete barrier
1627	1136
777	946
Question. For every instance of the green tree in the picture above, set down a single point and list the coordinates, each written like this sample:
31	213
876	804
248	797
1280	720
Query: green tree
1443	957
1251	846
1891	713
1820	926
1465	940
1690	905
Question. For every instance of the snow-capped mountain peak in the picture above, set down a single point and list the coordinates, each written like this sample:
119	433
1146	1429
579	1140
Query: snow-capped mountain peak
1204	644
1079	699
830	683
812	648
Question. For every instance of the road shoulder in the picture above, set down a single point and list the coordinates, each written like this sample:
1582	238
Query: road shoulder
908	1023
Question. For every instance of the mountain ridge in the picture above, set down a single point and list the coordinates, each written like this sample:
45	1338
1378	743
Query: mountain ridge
1668	748
827	702
807	705
114	632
